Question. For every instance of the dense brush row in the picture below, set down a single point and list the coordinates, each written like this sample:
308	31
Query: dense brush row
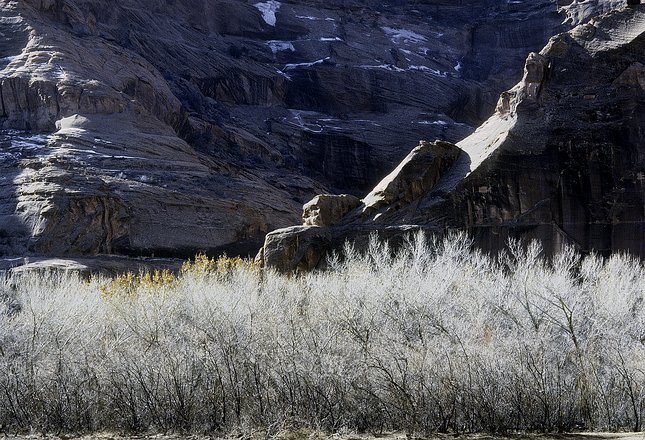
436	338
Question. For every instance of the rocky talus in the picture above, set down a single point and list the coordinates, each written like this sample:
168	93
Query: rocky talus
142	127
562	160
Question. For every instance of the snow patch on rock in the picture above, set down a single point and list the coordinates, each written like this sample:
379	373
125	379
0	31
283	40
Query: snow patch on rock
393	68
268	10
432	123
308	17
280	46
313	63
403	35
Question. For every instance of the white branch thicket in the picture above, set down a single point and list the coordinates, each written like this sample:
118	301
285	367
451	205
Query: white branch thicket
435	337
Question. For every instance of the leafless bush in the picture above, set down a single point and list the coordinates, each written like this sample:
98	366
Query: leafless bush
435	338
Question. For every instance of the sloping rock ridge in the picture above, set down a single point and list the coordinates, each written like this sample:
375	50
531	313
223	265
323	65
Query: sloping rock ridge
562	159
142	127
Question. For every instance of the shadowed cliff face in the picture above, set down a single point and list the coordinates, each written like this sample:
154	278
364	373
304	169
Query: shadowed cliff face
571	167
562	159
169	127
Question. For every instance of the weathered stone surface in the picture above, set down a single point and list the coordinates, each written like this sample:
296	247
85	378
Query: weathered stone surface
297	248
563	158
567	170
327	209
101	265
143	127
578	12
417	174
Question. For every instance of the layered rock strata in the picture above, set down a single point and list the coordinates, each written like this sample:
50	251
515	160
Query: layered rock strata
142	127
562	159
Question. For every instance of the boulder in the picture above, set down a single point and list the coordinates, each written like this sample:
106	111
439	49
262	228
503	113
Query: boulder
299	248
328	209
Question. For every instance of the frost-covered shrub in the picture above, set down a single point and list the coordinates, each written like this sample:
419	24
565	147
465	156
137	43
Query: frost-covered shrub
437	337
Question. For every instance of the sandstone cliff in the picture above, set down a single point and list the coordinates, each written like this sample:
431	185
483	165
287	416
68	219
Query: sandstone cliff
142	127
561	160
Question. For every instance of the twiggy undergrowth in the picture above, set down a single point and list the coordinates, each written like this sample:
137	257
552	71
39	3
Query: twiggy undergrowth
436	337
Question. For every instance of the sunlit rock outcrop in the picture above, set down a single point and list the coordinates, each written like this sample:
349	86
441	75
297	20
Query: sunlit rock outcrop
562	159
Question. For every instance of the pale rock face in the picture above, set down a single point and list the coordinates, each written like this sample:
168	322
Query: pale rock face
578	12
104	265
300	248
417	174
327	209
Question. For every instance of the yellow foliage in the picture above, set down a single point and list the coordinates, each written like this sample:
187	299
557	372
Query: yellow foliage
222	266
129	284
201	265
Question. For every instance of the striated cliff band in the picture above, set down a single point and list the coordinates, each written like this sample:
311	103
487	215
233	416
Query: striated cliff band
145	128
561	160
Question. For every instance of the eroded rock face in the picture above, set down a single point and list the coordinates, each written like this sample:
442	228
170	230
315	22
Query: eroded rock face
328	209
568	169
563	158
578	12
85	267
299	248
417	174
143	127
